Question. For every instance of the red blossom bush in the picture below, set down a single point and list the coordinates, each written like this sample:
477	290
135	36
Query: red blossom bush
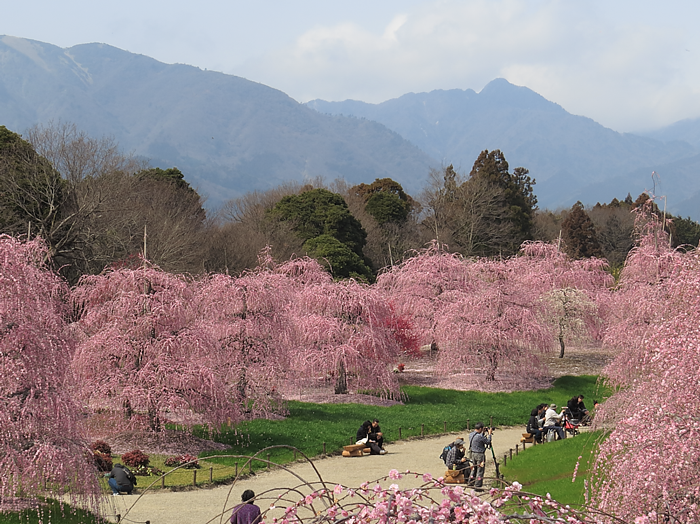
135	459
103	462
102	447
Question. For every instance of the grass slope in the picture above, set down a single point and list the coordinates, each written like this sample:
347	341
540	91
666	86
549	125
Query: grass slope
550	468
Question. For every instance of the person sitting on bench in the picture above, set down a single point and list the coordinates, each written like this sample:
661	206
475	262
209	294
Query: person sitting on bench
533	425
365	436
552	421
377	431
455	457
578	410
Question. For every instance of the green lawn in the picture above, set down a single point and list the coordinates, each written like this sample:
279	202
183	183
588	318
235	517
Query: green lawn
52	512
549	468
428	410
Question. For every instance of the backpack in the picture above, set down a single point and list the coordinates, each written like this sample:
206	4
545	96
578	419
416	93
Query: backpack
445	451
130	475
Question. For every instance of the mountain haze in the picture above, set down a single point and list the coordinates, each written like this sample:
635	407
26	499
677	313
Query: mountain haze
571	157
227	134
230	135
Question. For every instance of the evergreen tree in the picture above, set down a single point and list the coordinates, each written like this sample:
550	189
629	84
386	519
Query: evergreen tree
322	219
579	234
519	199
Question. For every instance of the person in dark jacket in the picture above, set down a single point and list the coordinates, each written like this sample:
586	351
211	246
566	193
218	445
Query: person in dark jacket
366	436
121	479
533	425
377	433
247	512
578	409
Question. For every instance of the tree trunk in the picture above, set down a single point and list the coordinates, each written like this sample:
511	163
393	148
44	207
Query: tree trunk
561	345
493	367
341	383
128	410
154	419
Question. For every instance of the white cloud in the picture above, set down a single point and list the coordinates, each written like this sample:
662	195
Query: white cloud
624	73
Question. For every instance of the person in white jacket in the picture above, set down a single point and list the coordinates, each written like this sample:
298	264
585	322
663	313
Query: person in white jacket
552	421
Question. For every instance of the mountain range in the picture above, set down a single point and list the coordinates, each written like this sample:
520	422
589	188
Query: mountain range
230	135
571	157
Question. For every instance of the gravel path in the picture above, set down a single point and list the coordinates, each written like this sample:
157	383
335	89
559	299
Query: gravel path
200	506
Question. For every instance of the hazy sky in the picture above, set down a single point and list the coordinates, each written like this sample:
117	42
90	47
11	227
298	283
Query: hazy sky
628	64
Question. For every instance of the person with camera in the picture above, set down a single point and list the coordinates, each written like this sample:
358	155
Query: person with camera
478	442
578	410
121	479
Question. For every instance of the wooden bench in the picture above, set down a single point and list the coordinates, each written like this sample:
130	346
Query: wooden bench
355	450
528	438
453	476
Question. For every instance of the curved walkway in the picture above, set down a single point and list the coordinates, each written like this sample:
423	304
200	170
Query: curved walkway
199	506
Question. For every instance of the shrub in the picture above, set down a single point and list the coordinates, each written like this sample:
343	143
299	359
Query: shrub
135	458
102	447
103	462
190	461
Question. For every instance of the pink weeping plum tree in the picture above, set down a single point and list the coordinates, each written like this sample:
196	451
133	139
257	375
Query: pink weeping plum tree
575	293
146	353
251	319
491	317
42	448
346	330
650	462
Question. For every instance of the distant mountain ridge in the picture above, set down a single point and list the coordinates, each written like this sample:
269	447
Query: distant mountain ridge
571	157
230	135
227	134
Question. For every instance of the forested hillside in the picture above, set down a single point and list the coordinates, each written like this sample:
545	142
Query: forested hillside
230	135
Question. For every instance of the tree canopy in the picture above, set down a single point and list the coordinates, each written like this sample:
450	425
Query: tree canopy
322	219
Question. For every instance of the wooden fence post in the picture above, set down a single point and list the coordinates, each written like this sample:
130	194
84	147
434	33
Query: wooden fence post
421	429
399	432
467	425
268	460
444	426
162	482
211	474
194	477
516	449
324	448
505	458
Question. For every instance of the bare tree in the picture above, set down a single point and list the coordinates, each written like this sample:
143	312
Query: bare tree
78	156
469	215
